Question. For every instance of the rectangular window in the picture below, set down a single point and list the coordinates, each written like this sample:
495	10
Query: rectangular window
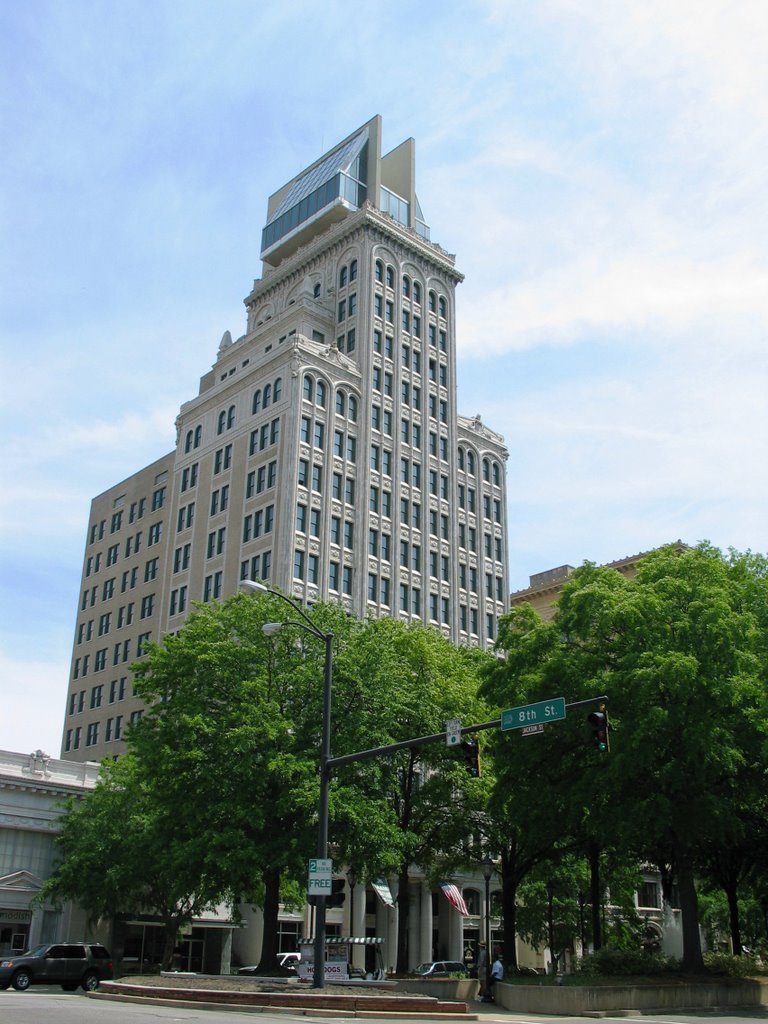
92	735
155	533
298	565
147	606
333	576
150	570
349	491
349	534
317	479
312	568
158	498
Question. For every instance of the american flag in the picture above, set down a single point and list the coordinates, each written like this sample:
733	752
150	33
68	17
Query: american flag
454	897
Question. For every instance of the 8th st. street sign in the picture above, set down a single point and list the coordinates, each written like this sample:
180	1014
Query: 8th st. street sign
533	714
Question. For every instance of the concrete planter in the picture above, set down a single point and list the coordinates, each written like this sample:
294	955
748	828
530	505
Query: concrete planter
610	998
461	989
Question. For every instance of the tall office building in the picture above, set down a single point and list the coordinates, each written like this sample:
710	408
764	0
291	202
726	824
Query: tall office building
324	452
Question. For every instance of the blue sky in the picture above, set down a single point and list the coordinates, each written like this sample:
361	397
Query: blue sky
598	168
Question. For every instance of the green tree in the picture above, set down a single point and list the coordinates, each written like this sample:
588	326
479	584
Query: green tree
121	852
679	650
403	682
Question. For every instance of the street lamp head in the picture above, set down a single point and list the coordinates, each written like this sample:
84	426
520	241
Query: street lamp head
270	628
253	587
352	877
487	867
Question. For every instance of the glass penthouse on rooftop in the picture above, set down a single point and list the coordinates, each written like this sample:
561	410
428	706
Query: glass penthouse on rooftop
341	181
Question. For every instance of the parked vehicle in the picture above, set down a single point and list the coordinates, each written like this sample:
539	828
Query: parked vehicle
442	969
68	964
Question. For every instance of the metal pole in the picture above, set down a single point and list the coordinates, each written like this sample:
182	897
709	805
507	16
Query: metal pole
582	900
318	980
488	955
551	925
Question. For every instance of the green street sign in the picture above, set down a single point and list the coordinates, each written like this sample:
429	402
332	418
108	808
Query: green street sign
533	714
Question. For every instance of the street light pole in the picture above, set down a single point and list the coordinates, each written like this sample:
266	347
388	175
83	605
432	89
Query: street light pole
352	882
551	925
487	866
582	900
253	587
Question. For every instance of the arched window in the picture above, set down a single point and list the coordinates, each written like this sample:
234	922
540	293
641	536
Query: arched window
267	394
278	390
472	899
320	391
309	389
256	400
406	286
222	422
198	435
230	417
341	402
486	470
188	442
470	463
442	307
496	473
352	271
416	292
433	302
379	270
390	277
343	276
352	405
316	290
461	458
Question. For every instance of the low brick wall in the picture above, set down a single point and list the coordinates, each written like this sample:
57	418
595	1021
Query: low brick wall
299	1001
463	989
606	998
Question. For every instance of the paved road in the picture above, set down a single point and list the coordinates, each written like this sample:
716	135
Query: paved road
45	1005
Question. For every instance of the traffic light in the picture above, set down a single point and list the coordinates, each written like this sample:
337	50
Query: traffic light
471	751
336	899
598	721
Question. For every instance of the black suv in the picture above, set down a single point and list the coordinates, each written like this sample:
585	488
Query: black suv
68	964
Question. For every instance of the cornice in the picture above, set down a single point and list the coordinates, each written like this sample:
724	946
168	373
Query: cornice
343	232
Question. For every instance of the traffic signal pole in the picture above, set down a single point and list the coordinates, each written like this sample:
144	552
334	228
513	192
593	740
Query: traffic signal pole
438	737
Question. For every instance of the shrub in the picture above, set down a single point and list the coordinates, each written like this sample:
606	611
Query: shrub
732	966
626	963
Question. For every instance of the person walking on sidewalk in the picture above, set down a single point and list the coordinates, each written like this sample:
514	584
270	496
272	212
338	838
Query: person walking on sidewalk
497	974
482	971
